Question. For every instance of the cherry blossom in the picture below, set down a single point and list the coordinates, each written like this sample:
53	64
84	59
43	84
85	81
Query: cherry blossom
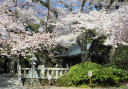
69	24
114	25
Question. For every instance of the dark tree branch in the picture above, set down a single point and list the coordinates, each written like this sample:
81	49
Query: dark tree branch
82	6
47	18
70	8
48	5
112	1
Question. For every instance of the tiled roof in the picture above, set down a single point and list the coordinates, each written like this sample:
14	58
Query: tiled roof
75	50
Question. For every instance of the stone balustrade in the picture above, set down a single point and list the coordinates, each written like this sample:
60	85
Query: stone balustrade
24	71
43	72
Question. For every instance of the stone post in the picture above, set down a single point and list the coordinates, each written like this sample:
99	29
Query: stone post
42	72
19	74
12	68
67	66
57	66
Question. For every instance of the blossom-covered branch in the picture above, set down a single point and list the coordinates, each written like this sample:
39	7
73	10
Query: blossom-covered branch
113	25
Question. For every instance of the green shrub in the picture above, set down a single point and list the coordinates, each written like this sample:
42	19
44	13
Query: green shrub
121	57
120	74
64	80
100	75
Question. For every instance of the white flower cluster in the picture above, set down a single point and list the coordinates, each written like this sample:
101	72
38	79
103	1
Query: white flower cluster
16	18
113	25
23	41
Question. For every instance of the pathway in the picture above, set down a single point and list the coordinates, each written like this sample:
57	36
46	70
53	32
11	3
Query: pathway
7	82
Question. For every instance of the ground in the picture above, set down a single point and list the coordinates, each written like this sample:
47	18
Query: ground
7	82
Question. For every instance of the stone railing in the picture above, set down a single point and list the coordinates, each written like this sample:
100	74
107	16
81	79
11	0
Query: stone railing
43	72
24	72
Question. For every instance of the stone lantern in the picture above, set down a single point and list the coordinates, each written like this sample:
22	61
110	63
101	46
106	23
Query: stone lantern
32	73
32	77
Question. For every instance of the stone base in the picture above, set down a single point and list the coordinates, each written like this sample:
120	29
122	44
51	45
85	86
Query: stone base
45	82
32	82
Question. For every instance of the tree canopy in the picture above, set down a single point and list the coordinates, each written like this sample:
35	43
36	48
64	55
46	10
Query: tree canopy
66	18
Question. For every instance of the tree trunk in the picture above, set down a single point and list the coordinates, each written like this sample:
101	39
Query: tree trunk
112	53
82	41
92	48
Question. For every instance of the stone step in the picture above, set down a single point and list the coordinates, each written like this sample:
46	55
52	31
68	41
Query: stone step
6	81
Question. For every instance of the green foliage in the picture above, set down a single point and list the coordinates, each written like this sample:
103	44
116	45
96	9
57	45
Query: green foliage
42	22
100	47
24	61
120	74
121	57
2	60
102	76
64	80
89	39
33	27
50	28
122	0
43	56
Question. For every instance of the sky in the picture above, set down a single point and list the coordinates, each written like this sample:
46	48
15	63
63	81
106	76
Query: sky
41	8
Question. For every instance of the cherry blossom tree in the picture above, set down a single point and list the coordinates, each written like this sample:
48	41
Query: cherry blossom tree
69	5
112	24
69	23
14	17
